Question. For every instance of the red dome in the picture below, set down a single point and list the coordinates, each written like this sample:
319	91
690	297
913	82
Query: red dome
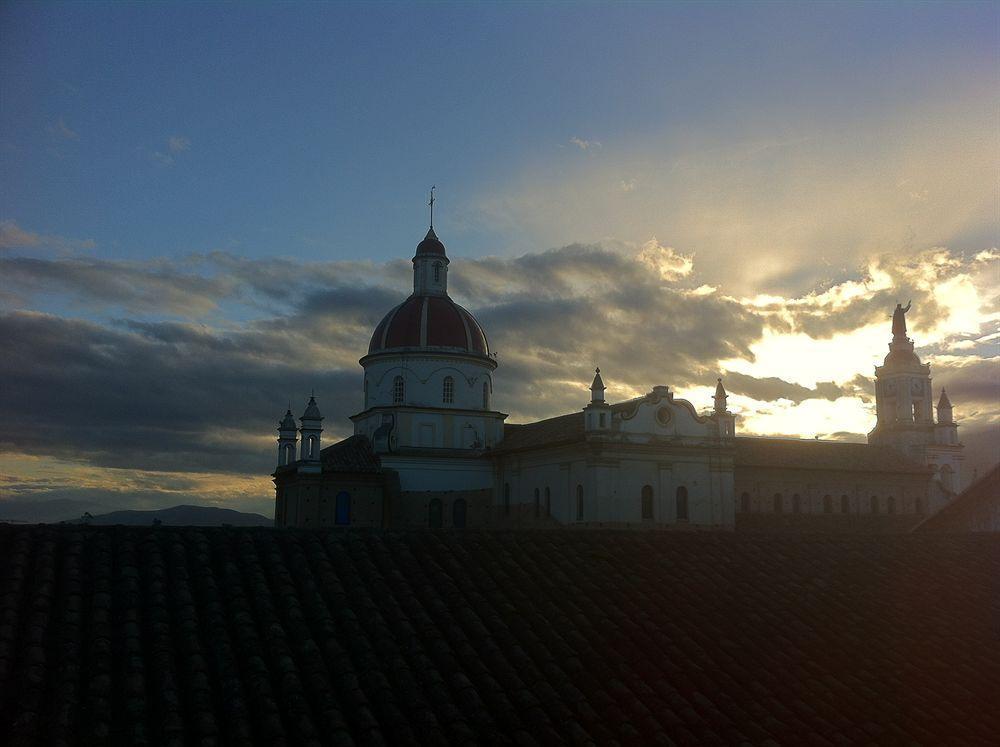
429	322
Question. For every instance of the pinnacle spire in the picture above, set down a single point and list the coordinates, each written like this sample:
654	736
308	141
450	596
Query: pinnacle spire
597	388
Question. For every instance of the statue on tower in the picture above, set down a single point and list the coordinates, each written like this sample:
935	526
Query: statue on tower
899	320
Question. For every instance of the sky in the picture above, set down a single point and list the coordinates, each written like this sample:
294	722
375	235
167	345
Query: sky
206	208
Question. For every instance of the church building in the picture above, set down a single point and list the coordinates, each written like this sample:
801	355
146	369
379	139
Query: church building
430	448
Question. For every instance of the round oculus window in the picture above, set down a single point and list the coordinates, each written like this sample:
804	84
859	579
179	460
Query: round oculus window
663	415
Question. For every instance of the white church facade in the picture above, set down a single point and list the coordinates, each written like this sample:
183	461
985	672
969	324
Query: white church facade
431	449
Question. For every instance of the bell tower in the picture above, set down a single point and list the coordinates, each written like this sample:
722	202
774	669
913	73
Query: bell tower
904	409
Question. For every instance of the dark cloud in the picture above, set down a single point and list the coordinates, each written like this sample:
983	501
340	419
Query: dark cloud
772	388
203	395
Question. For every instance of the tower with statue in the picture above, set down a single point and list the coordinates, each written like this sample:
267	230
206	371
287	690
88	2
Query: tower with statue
904	410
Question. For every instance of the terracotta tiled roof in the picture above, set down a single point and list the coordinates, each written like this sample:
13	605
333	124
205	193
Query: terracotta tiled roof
429	321
550	432
826	455
969	508
122	635
353	454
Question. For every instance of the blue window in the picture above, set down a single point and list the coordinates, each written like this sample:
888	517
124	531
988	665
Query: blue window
342	509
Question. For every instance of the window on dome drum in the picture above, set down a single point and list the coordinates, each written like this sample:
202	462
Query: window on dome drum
434	513
647	502
506	499
827	504
486	395
538	506
874	504
448	395
458	512
366	393
437	272
682	503
890	505
579	502
548	502
342	509
796	504
779	503
398	390
745	503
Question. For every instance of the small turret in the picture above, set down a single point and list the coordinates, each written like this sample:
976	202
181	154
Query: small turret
946	429
720	398
944	410
312	427
287	437
597	388
597	415
724	419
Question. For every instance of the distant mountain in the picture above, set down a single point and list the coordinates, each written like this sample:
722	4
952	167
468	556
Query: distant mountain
190	516
47	512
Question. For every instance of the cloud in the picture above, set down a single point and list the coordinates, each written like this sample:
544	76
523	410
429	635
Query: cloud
178	144
61	131
777	202
584	144
13	236
184	366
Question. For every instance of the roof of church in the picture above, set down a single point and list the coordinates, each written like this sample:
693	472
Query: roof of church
353	454
826	455
131	635
431	245
968	506
431	322
755	452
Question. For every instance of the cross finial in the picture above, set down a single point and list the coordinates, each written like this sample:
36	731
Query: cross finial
431	204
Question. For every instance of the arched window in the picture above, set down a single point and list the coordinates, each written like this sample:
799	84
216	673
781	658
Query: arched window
890	505
458	511
434	513
745	503
486	394
779	503
548	502
342	509
579	502
289	453
448	394
874	504
312	447
538	504
506	499
647	502
948	477
366	392
682	503
437	272
398	390
796	504
845	504
827	504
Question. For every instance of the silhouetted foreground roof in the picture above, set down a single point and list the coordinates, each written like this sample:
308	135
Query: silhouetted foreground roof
262	636
977	508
